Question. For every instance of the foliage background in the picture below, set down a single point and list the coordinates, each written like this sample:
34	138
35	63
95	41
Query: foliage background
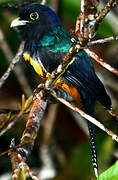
68	145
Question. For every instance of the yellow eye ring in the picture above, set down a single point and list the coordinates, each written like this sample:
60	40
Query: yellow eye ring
34	16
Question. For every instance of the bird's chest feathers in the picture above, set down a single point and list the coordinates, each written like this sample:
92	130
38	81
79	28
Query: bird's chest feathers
44	54
35	62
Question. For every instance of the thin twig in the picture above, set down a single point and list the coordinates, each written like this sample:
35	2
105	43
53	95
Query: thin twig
10	119
88	117
85	20
15	165
15	60
112	18
102	14
82	17
27	167
8	125
18	165
101	62
9	151
18	69
101	41
17	171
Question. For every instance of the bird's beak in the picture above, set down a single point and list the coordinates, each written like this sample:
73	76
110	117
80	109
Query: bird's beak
17	22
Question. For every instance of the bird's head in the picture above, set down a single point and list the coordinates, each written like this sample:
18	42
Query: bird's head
34	21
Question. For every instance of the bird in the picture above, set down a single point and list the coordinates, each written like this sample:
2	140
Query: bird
46	43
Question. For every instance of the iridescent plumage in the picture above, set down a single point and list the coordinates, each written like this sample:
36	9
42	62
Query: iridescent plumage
46	43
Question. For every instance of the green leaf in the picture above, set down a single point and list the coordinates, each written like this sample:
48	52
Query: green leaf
110	174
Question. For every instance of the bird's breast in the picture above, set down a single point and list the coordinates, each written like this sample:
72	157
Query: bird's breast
35	62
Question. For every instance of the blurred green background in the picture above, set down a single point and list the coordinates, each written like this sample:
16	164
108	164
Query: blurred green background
66	154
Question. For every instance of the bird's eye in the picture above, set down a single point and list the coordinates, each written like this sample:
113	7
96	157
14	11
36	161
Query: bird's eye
34	16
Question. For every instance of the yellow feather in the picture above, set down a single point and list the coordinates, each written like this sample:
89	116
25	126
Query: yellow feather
37	67
26	56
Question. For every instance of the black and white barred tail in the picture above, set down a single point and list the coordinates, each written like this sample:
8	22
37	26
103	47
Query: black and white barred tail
93	147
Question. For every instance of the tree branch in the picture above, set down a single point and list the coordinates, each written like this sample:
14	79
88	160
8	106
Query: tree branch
101	41
88	117
8	120
32	126
15	60
19	166
101	62
102	14
18	69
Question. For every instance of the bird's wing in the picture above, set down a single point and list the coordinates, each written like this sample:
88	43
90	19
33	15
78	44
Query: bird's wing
82	75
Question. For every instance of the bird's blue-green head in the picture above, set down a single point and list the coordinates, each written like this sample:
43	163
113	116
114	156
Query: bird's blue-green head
34	21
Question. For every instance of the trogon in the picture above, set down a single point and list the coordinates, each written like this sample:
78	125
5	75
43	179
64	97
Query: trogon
46	43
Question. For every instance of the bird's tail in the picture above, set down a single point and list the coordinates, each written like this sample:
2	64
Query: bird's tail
93	147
